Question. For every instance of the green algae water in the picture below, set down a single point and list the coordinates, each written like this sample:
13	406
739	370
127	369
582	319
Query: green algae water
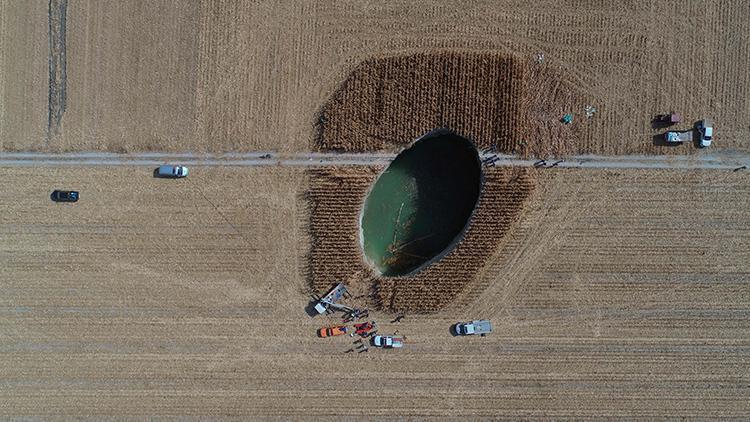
421	204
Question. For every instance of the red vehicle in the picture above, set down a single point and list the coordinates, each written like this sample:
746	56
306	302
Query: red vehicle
669	118
364	328
337	330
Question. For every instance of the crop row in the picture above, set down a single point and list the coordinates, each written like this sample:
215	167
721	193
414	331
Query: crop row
336	197
387	103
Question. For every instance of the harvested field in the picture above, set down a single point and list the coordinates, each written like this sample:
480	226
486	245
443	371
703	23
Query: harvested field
231	75
547	96
613	293
24	75
618	293
337	195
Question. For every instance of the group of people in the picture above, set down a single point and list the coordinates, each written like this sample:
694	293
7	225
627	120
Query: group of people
355	315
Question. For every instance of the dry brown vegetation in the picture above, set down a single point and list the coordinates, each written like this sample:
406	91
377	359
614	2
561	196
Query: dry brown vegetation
618	293
547	96
495	100
336	196
388	103
615	294
231	75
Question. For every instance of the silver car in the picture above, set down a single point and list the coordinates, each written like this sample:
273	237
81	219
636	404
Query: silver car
173	171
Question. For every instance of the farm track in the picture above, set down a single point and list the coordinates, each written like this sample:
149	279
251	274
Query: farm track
715	161
57	66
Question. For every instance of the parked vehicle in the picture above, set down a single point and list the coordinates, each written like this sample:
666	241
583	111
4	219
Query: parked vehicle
337	330
388	342
65	196
706	129
678	137
481	327
669	118
328	302
173	171
364	328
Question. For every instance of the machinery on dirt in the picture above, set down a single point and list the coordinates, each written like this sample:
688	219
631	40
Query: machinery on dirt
364	329
328	303
481	327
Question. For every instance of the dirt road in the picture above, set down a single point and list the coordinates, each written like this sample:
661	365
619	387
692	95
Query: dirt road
270	158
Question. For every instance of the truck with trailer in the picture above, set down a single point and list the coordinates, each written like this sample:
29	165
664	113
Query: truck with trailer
480	327
674	137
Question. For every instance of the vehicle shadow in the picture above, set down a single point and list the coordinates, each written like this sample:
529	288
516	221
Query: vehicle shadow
452	330
657	123
660	141
310	308
696	135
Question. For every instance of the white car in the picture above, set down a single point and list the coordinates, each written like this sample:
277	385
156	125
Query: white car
388	342
173	171
706	129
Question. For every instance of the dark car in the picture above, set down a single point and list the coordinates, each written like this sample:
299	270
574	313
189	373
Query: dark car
65	196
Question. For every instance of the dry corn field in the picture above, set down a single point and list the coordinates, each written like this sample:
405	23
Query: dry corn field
337	196
498	101
477	96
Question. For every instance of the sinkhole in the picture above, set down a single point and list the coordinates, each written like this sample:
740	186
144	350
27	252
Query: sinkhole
419	207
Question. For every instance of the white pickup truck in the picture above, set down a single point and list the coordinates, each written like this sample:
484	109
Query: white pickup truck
480	327
706	129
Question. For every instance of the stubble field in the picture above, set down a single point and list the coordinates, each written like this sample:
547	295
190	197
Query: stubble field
234	75
616	293
185	298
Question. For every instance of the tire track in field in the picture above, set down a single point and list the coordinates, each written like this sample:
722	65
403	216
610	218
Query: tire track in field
57	66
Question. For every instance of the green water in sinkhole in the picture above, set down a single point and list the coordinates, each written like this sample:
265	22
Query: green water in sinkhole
420	206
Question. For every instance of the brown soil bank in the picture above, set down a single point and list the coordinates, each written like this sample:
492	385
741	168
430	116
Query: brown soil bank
494	99
336	196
